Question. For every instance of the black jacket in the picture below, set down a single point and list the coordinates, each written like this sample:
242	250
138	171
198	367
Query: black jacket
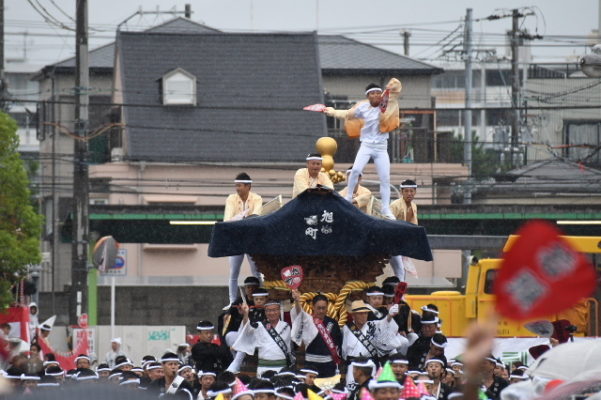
210	357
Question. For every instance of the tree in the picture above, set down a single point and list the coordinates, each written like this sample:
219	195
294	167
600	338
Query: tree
20	224
485	162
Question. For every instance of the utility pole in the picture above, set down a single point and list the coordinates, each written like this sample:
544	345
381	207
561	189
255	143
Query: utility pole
406	36
2	81
78	300
467	115
515	82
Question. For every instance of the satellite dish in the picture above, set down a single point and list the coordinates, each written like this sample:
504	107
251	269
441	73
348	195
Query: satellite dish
105	253
591	63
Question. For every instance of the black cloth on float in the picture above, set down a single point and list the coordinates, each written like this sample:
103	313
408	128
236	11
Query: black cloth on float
318	223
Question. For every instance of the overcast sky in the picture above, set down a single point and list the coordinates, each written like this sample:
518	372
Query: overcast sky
357	18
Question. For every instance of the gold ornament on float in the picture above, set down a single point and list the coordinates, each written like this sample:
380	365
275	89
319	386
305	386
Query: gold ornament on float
327	147
328	162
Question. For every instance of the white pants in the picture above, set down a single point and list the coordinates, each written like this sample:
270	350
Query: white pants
379	153
396	262
235	265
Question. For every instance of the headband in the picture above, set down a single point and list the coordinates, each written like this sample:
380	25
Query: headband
243	181
309	371
522	377
374	385
48	384
373	89
408	186
205	328
126	362
367	363
431	321
430	310
211	393
434	360
439	345
183	368
375	293
129	381
206	373
400	361
310	157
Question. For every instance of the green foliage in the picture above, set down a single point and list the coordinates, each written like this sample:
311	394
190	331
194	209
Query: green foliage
20	224
485	162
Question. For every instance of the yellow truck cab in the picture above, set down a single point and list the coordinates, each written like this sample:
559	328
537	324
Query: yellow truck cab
457	310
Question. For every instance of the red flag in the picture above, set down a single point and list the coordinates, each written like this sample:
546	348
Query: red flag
18	319
541	274
66	360
315	107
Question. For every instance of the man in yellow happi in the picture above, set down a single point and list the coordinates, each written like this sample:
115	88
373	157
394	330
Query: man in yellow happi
310	177
240	205
404	209
361	196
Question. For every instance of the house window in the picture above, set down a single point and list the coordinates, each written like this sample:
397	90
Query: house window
179	87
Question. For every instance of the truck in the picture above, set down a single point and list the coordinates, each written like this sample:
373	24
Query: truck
457	310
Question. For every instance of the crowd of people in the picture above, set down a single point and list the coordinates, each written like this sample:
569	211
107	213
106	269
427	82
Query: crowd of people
388	350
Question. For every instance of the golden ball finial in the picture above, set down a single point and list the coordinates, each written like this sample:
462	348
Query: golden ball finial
328	162
326	146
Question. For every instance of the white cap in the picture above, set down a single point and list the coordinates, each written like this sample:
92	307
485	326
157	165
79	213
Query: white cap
116	340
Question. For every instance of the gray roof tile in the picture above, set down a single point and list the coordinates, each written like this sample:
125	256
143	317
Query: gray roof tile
251	89
341	53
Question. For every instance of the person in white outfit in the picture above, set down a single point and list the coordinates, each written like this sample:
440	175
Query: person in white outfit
271	338
115	352
374	144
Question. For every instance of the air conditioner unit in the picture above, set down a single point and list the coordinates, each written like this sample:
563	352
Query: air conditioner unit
117	154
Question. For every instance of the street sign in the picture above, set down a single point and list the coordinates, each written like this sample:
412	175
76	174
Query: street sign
82	321
89	334
120	267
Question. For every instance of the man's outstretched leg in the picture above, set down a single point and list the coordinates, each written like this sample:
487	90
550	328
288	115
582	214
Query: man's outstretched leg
361	160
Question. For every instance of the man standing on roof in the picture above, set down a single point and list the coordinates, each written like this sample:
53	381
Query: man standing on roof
404	210
240	205
310	177
375	125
